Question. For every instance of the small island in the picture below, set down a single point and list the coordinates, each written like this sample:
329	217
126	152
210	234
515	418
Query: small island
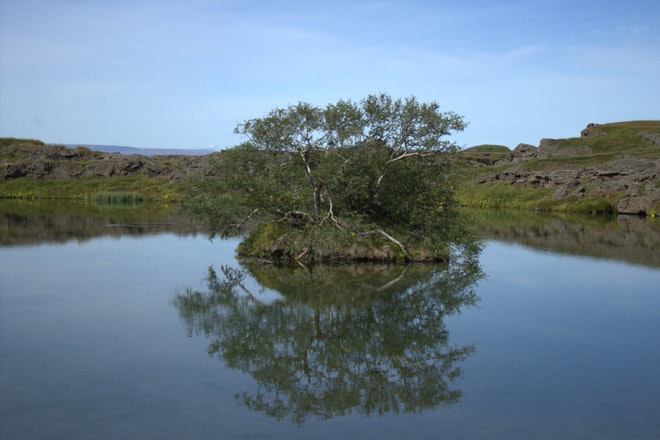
373	180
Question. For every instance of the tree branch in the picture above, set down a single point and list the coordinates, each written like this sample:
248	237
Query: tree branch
413	153
331	214
392	239
240	225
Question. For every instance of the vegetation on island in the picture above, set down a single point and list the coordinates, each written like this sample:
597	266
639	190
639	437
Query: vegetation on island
367	180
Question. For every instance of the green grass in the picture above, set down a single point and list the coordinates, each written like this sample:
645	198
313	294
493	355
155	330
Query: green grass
606	143
83	188
116	188
618	138
501	195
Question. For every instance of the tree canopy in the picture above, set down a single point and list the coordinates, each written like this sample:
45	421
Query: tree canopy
374	173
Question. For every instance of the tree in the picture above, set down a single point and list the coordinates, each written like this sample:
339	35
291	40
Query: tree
377	169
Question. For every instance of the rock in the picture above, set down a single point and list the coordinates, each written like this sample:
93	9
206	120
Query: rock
641	198
634	205
520	153
561	193
587	132
43	161
653	138
636	177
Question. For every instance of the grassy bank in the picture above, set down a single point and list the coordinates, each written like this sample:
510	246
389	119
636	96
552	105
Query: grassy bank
501	195
599	146
86	188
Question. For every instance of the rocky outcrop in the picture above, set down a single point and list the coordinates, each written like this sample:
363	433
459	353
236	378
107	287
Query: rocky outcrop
41	161
557	148
633	181
521	153
547	148
634	178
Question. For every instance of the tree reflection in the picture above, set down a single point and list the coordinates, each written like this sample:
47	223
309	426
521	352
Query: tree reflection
365	338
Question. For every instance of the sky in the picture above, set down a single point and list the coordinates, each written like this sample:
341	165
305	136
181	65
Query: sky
184	73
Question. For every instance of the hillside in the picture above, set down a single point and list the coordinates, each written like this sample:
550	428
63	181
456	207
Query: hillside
609	168
32	169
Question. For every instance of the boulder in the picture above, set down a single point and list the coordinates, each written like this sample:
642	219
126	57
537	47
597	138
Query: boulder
521	153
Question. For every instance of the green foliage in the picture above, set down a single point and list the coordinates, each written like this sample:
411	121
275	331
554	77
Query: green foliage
378	164
295	239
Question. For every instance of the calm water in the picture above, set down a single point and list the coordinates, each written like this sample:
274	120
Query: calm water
113	326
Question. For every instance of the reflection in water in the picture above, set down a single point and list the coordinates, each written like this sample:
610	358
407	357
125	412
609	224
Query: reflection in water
27	222
626	238
363	338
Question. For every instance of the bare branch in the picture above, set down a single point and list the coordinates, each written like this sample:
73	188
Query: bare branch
240	225
331	214
412	153
393	240
302	254
390	238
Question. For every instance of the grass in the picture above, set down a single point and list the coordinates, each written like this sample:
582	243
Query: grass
606	143
501	195
86	188
617	138
107	189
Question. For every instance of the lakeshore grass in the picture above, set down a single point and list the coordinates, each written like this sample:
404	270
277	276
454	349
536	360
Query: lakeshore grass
84	188
501	195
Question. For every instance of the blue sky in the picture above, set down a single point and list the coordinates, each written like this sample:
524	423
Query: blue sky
182	74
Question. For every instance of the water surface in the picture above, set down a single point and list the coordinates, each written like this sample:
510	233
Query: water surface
113	326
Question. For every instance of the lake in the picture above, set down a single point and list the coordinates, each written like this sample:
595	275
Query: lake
130	323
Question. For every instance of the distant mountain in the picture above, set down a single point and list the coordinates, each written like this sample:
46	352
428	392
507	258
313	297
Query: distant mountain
144	151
